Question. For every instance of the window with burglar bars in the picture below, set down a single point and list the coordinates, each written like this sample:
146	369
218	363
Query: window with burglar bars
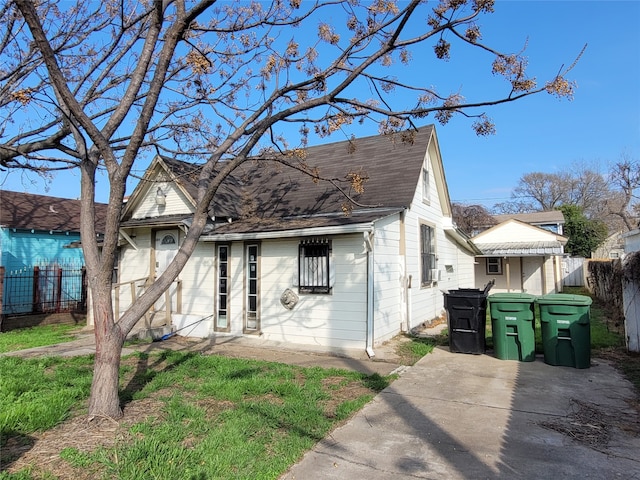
427	254
313	266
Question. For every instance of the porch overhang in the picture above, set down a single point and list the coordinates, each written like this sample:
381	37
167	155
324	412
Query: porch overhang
298	226
520	249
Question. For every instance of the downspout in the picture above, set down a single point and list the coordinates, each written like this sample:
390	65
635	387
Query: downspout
368	245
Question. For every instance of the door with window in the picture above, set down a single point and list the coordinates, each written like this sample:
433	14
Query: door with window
252	288
166	247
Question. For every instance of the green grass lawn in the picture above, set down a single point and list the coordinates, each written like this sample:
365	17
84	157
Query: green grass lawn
197	416
40	336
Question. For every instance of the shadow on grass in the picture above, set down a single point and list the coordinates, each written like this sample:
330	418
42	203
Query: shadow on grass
146	371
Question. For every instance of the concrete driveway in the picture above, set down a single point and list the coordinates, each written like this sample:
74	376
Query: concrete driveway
458	416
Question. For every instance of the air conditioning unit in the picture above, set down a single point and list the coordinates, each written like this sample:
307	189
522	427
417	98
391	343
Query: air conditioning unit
436	276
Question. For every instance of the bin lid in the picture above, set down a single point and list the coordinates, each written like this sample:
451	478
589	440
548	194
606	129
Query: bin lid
466	292
512	297
563	299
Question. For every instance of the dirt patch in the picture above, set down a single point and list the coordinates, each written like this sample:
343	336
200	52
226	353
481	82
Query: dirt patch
341	392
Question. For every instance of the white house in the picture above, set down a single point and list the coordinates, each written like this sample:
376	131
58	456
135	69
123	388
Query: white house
520	257
282	261
631	290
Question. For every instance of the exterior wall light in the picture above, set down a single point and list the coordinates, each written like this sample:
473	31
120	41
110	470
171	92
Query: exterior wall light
161	197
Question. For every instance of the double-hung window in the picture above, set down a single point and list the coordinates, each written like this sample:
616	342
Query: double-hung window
313	266
426	190
494	266
427	254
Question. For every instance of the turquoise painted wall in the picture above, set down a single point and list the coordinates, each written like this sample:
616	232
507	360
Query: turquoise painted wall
26	249
21	251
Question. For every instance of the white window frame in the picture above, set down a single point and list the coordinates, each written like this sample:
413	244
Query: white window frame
222	288
494	262
428	259
314	263
426	185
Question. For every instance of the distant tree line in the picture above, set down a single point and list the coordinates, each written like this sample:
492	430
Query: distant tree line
594	204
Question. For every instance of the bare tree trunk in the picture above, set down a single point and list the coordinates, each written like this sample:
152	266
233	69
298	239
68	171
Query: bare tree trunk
104	400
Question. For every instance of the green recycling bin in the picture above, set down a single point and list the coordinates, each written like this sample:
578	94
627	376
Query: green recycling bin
566	329
513	326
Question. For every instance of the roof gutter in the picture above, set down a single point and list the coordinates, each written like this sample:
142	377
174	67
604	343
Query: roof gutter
462	240
298	232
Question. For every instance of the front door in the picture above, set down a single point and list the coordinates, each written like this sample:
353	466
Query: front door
166	248
532	275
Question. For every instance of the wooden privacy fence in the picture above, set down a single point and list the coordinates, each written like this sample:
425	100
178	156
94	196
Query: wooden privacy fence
43	289
573	272
605	282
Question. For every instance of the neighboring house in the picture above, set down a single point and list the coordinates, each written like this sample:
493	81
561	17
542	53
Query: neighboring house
37	231
520	257
612	247
282	261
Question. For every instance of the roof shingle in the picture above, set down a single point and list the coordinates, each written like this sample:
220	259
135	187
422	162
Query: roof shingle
265	191
42	212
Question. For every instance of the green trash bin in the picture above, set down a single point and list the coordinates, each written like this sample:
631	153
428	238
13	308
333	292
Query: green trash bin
566	329
513	326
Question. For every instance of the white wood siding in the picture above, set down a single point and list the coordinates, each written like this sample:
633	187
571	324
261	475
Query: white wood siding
455	265
198	282
514	230
334	320
176	202
388	274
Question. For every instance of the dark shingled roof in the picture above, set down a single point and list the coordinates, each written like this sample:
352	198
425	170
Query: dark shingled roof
266	195
41	212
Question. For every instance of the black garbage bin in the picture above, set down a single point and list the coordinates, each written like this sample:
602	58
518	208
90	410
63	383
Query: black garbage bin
467	319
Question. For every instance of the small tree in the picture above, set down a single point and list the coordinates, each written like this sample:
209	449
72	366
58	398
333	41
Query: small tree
625	176
97	85
471	219
584	235
611	198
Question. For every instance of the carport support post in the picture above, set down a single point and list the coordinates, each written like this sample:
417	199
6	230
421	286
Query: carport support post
507	268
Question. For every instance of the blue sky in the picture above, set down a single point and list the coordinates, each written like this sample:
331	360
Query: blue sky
540	133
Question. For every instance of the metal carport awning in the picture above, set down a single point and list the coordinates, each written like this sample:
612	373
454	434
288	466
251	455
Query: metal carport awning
520	249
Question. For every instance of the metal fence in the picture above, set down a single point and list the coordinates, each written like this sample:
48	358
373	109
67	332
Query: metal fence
43	289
